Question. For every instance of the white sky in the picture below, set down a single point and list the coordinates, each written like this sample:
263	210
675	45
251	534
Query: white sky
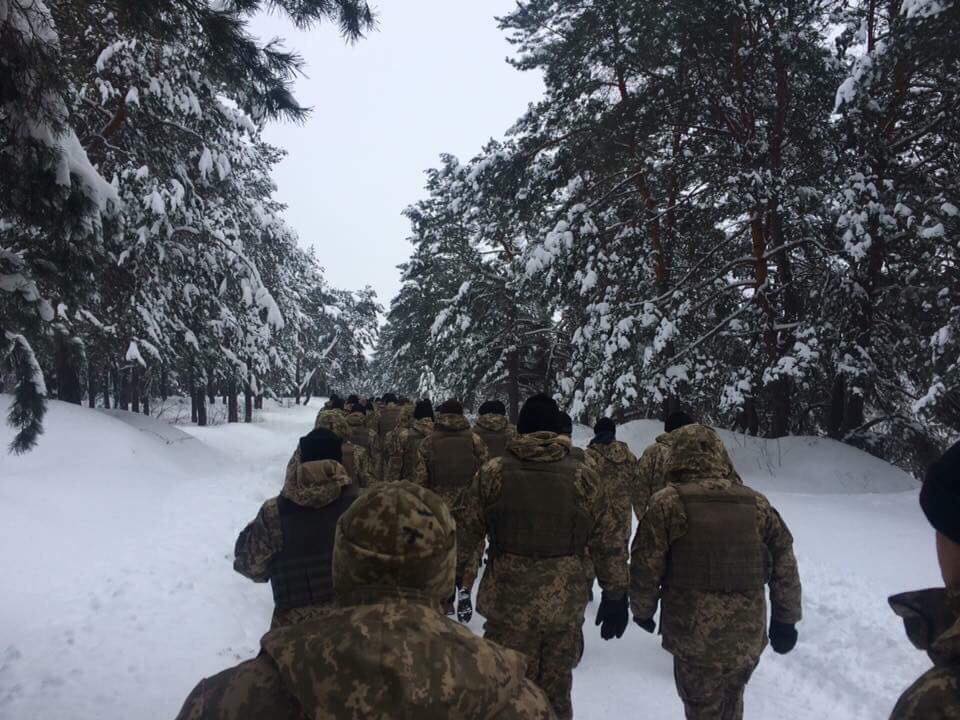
433	79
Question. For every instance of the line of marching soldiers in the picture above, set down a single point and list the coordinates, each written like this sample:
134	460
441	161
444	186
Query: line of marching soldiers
379	533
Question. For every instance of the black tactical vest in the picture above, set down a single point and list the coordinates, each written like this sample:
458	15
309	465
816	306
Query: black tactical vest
496	441
301	574
538	514
453	464
722	550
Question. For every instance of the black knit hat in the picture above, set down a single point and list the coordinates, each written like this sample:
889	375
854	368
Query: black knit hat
539	414
423	409
389	398
492	407
321	444
940	494
451	407
605	425
336	402
677	420
564	423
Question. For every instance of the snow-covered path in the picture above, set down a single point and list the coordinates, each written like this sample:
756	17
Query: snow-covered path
118	591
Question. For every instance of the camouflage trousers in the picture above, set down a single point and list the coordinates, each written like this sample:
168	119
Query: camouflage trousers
711	692
551	657
295	616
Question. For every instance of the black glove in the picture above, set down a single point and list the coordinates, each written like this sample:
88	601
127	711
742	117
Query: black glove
464	606
649	625
612	616
783	637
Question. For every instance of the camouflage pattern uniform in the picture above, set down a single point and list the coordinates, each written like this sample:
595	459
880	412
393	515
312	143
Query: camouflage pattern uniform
651	474
356	460
362	436
386	652
932	620
716	638
535	605
403	445
496	432
314	485
447	424
618	470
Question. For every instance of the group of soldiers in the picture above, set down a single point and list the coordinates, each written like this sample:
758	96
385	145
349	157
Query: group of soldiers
389	511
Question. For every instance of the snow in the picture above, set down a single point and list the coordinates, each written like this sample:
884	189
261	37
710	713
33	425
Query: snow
118	534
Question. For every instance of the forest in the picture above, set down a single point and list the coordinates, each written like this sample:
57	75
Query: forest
748	210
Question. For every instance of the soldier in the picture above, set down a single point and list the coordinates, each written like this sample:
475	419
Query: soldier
357	463
493	428
404	443
385	652
542	511
450	456
389	418
932	617
290	543
651	471
361	436
619	470
566	430
708	546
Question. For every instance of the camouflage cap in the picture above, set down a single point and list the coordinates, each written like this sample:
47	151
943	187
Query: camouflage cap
696	453
396	538
336	422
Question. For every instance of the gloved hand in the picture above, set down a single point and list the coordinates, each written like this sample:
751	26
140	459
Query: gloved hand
613	616
783	637
464	606
649	625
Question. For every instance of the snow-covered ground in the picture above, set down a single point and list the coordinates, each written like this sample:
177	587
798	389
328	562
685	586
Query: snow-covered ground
118	593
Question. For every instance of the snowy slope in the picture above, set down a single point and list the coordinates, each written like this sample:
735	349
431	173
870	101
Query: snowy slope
119	592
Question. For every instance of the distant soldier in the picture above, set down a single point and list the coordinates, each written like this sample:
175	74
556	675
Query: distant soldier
362	436
618	469
932	617
385	652
542	511
708	546
357	463
565	429
450	457
290	543
493	428
387	421
652	475
404	443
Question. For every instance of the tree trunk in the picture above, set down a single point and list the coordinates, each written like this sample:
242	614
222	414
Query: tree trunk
91	385
164	382
513	385
69	387
201	408
779	394
247	404
135	373
211	387
837	405
124	389
296	377
106	389
194	412
233	411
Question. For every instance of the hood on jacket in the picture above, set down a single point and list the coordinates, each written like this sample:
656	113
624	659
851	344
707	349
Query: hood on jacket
394	661
664	439
493	422
615	452
541	446
315	484
336	422
932	621
356	419
697	453
397	539
451	422
424	426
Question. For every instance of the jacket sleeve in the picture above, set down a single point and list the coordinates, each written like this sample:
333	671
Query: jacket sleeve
258	543
607	543
480	451
648	558
365	467
785	593
642	489
529	703
472	525
421	473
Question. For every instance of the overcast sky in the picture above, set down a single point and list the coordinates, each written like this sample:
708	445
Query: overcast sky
433	79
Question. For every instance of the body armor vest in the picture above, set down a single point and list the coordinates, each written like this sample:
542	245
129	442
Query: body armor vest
538	514
410	450
360	435
453	464
301	574
349	462
722	550
389	417
496	441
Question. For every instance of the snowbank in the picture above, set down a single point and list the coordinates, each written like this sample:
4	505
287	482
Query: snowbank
119	592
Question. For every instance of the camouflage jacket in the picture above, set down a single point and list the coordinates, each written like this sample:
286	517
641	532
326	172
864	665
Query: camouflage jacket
421	475
401	457
618	471
372	445
494	430
651	476
393	659
363	469
699	626
539	593
932	620
313	484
